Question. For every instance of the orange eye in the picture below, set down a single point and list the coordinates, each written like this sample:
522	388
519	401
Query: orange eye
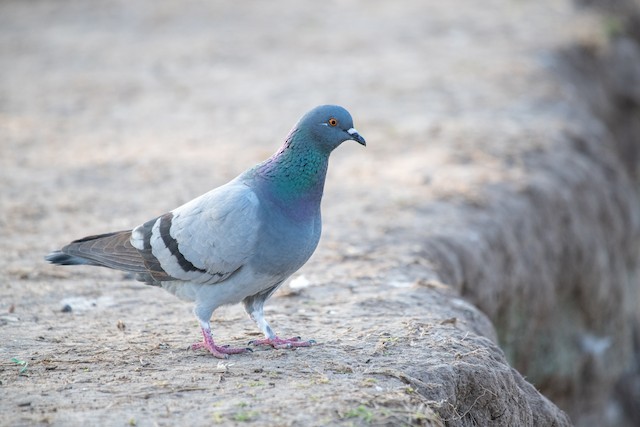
333	122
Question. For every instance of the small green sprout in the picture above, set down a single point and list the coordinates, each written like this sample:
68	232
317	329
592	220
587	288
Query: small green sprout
23	363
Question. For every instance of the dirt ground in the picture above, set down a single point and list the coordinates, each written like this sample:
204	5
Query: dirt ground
114	112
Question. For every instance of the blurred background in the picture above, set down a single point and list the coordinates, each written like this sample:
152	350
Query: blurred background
500	156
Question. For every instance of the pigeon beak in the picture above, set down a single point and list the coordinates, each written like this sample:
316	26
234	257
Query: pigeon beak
356	137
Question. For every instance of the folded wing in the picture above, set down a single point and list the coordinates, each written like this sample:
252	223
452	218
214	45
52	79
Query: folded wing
204	241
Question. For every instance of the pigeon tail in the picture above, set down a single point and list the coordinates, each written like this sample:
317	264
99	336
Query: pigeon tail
60	258
112	250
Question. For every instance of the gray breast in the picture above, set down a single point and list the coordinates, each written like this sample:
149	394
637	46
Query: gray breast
287	245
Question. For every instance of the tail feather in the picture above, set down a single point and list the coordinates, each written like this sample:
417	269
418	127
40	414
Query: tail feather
112	250
60	258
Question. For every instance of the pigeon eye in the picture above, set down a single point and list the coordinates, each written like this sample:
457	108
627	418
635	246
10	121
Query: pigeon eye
333	122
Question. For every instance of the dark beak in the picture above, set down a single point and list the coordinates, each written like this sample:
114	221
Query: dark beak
356	137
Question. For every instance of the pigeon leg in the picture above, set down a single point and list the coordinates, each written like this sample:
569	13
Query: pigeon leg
220	352
253	306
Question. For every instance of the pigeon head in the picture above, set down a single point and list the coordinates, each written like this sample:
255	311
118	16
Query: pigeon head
296	172
328	126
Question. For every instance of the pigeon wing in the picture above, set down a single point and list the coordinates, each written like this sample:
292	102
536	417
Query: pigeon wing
204	241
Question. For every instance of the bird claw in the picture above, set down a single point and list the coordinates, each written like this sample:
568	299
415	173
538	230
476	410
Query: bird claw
221	352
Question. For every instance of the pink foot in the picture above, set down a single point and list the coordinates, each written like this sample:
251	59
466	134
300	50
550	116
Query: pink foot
220	352
281	343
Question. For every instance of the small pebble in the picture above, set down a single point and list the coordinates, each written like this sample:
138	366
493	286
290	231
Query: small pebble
67	308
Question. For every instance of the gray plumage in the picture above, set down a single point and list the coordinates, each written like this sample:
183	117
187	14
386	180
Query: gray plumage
238	242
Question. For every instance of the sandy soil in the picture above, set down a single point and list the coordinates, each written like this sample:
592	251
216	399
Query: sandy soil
114	112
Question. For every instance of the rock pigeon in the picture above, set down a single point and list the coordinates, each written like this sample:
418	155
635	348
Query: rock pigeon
238	242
